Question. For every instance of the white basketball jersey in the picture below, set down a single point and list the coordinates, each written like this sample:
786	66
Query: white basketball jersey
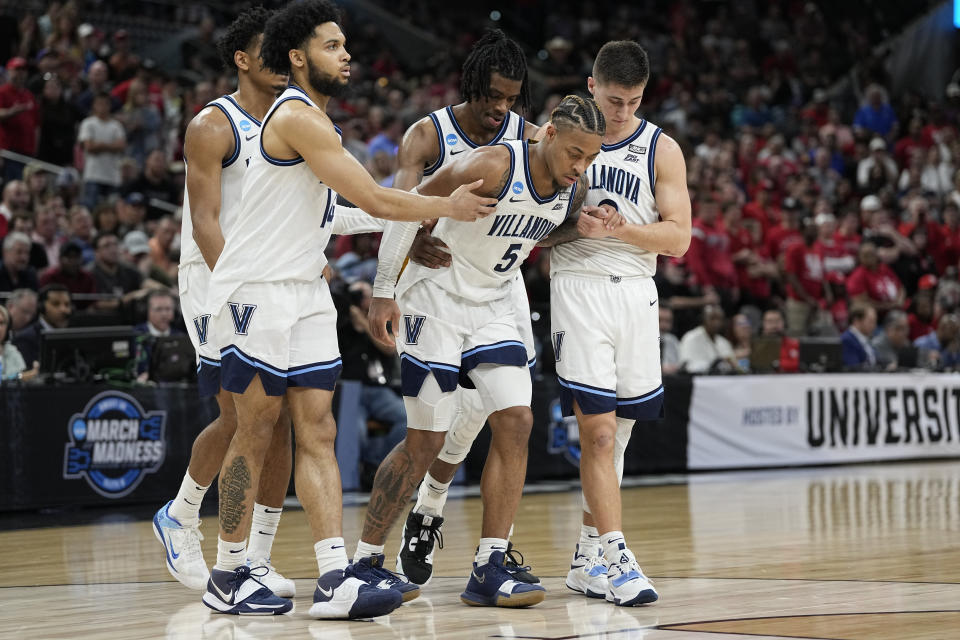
246	132
622	175
453	141
284	221
487	254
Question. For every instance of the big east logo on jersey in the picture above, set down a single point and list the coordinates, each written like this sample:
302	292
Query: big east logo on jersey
114	443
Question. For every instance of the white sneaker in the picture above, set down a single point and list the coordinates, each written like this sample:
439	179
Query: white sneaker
588	574
273	580
626	584
182	544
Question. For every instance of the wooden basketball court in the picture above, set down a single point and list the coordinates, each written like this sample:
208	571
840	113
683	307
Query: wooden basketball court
862	552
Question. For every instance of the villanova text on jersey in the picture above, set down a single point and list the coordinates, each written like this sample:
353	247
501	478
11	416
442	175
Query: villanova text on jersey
528	227
616	180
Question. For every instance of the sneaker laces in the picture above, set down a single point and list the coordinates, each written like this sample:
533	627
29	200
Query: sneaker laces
243	573
381	573
190	538
591	562
433	536
512	564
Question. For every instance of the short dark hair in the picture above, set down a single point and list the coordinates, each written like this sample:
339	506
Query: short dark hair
494	52
241	33
160	293
291	27
45	292
100	236
622	62
859	312
582	113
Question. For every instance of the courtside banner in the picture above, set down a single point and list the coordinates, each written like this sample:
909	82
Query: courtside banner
762	421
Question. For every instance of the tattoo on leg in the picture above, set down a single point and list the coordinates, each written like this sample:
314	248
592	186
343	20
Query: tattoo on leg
233	490
392	488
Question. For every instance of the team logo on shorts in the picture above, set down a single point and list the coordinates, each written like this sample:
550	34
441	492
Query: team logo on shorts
557	344
244	125
451	139
202	324
563	435
242	314
412	325
518	187
114	443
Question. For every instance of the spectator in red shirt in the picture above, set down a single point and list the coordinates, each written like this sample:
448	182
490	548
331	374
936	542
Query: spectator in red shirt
922	315
19	113
949	233
755	269
807	288
780	237
906	146
874	283
762	208
70	274
709	257
838	259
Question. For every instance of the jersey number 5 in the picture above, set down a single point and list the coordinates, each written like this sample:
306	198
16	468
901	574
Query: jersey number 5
509	258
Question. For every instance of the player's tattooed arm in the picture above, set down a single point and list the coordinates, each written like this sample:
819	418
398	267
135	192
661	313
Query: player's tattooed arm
567	231
234	483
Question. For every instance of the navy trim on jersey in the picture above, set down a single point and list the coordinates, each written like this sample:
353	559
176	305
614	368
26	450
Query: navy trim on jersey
239	368
591	400
506	187
526	171
414	372
496	138
236	136
436	165
633	136
520	127
573	194
263	152
650	162
242	110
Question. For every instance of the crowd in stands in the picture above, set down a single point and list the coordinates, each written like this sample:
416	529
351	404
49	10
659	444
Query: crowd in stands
816	211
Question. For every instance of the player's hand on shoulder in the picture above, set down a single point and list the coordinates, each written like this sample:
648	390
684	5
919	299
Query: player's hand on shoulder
382	311
467	206
429	251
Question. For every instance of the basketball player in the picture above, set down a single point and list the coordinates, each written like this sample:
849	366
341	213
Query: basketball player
459	324
219	142
275	320
619	78
493	81
608	361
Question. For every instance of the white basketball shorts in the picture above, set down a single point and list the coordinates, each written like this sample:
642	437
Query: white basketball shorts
606	341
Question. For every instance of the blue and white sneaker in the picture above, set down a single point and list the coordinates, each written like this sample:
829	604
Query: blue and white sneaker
182	545
588	573
372	571
492	585
626	584
341	594
238	592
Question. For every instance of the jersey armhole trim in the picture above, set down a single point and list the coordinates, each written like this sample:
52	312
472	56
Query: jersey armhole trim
513	165
436	165
241	109
263	152
650	160
236	136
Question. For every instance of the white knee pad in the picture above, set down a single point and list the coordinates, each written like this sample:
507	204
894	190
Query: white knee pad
621	439
432	410
502	387
467	422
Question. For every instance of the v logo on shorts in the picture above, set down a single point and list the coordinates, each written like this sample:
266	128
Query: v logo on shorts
557	344
412	326
201	324
242	314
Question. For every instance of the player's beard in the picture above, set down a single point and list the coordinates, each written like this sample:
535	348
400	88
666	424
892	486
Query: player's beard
324	84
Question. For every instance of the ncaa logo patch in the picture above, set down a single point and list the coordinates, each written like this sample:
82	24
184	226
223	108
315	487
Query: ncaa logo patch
245	125
114	443
518	187
563	435
451	139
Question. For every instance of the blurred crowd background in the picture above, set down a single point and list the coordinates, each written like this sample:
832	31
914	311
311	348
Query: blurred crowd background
821	143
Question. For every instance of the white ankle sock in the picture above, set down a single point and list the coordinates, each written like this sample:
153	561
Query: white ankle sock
613	543
488	546
263	528
185	508
230	555
331	554
365	550
589	541
432	496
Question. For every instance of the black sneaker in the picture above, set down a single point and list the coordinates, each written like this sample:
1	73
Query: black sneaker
415	559
516	567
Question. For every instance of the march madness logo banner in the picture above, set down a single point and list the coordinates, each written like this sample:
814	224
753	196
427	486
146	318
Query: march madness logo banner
760	421
114	443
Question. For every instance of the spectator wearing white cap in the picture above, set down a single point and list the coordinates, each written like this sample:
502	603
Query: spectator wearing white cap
839	259
878	168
